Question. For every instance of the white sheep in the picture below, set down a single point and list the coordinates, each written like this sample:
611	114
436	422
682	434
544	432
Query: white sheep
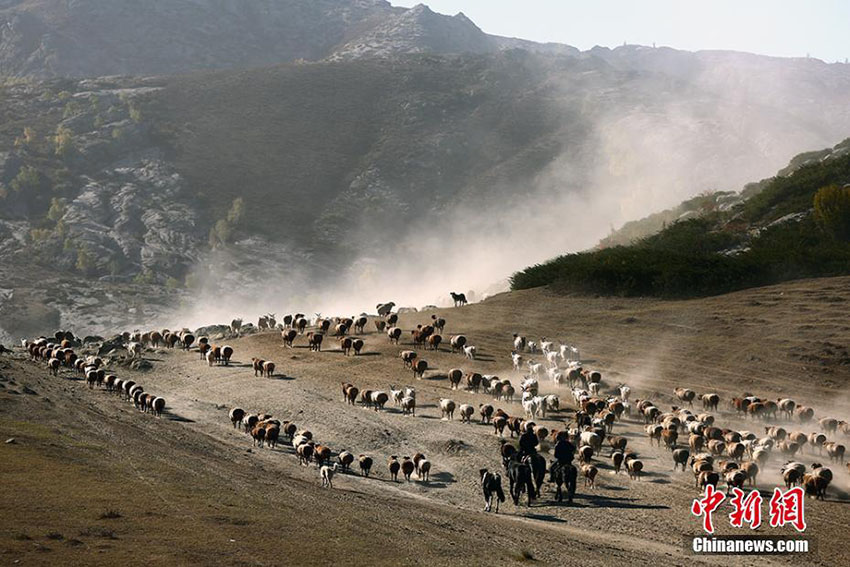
135	349
531	406
396	395
624	392
552	359
535	368
546	346
327	475
516	358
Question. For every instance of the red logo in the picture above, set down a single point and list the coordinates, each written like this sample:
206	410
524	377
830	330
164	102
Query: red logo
705	506
788	508
746	509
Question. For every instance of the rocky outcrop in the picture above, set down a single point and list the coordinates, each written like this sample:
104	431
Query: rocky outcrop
135	220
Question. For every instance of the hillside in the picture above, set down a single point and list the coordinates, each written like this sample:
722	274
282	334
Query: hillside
776	233
189	488
402	145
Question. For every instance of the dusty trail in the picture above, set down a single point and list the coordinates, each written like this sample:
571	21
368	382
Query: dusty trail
652	346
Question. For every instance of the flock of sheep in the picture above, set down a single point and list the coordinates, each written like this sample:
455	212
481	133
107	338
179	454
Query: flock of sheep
60	352
713	453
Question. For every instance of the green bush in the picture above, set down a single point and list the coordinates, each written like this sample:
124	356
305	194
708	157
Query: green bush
832	211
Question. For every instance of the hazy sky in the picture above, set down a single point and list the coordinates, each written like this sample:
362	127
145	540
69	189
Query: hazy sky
787	28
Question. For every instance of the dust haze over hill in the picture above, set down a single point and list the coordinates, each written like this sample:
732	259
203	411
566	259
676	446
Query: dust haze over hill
406	155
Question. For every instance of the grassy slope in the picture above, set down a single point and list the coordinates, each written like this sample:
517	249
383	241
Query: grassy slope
687	259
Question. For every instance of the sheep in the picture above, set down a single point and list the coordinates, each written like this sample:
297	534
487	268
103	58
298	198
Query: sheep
585	453
804	414
226	354
654	433
365	463
530	385
531	406
53	366
454	375
469	351
828	424
617	461
349	393
393	334
447	408
257	365
407	357
466	413
321	454
379	399
157	406
751	469
258	433
366	398
816	440
457	342
300	324
288	336
491	484
360	324
499	423
380	326
618	444
535	368
315	341
326	473
685	395
272	433
589	472
394	466
516	360
591	438
486	411
835	451
396	395
408	405
473	381
419	368
134	349
787	406
268	369
680	457
634	467
434	342
792	473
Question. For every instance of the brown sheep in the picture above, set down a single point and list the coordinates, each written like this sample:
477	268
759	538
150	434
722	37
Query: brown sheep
315	341
486	411
454	375
259	435
434	342
321	455
288	336
680	457
499	423
835	451
345	344
407	468
686	395
752	470
419	368
380	325
349	393
257	364
617	460
589	472
268	368
394	466
365	462
473	381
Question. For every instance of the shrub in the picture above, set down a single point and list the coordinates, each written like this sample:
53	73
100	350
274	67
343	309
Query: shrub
832	211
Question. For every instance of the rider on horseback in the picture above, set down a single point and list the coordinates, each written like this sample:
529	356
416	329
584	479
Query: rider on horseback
563	467
527	444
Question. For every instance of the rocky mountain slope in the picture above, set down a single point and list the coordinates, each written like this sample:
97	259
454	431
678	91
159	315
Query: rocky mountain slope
395	145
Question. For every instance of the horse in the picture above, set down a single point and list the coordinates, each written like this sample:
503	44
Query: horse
537	462
520	478
491	484
458	298
561	475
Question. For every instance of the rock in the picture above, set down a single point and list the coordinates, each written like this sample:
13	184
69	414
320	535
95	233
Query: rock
10	441
91	339
141	364
29	391
211	330
106	347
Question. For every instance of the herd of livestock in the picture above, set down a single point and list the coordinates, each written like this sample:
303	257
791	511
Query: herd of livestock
696	440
